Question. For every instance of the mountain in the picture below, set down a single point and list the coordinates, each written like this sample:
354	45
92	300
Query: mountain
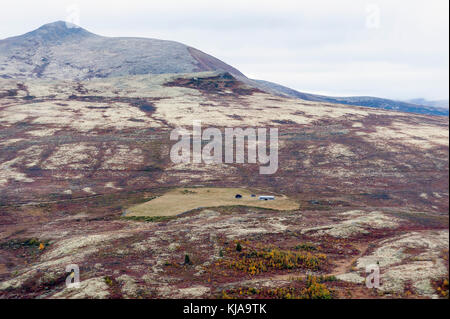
435	103
63	51
353	185
422	107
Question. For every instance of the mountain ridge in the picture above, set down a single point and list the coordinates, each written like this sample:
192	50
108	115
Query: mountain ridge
367	101
61	51
64	51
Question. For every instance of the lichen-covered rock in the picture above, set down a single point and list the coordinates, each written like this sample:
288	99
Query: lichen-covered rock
94	288
413	257
356	223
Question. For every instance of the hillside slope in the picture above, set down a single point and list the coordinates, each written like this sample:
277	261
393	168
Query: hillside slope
62	51
371	186
368	101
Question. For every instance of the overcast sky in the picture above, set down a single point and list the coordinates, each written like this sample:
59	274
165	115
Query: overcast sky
394	49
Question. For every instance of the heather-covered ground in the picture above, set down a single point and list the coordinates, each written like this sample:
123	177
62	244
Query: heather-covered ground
371	185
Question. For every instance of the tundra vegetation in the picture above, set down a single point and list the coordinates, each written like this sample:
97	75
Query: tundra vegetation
85	172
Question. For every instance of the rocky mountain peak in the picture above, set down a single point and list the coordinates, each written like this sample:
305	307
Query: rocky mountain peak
57	31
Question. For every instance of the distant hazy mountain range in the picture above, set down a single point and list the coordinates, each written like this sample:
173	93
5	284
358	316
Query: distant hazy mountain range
369	101
60	50
439	103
